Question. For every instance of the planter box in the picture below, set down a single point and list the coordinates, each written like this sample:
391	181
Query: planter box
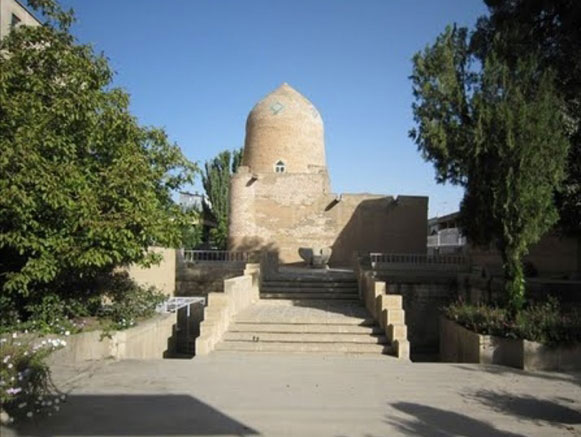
460	345
148	340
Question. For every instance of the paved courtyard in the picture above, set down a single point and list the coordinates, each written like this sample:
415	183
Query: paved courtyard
310	395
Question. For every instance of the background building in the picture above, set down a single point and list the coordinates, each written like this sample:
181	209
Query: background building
12	14
281	200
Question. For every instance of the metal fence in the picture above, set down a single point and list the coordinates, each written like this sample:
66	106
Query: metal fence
215	256
409	261
173	304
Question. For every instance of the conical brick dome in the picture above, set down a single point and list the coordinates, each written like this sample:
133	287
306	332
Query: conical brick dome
284	133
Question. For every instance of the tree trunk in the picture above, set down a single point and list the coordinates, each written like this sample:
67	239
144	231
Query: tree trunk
514	278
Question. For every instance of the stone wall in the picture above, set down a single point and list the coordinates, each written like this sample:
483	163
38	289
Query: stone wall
552	256
201	278
422	302
282	212
151	339
239	293
161	276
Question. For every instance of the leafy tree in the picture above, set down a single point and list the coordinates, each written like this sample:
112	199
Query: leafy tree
84	188
551	29
216	182
498	131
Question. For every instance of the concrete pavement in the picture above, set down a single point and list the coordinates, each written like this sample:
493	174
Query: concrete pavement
310	395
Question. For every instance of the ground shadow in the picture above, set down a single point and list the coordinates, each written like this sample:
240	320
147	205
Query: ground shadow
135	415
435	422
528	407
573	377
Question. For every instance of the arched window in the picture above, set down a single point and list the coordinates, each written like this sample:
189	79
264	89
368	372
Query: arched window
279	167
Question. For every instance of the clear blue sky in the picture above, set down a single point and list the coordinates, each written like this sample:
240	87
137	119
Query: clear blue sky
197	68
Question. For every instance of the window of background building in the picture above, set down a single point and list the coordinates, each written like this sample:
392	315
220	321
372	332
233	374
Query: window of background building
14	21
279	167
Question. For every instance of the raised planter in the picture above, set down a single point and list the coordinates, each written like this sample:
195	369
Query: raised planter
460	345
149	340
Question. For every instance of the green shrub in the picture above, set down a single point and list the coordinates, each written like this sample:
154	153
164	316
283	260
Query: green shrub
128	302
26	389
544	322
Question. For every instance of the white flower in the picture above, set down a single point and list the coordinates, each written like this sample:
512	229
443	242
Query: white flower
14	335
13	391
56	408
29	414
67	333
10	365
22	405
63	397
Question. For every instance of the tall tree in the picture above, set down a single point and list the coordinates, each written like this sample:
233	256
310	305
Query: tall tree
84	188
497	130
550	28
216	182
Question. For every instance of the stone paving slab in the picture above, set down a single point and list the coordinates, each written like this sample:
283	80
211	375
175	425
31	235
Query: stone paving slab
313	395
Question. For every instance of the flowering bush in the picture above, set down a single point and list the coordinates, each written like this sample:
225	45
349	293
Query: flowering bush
26	389
544	322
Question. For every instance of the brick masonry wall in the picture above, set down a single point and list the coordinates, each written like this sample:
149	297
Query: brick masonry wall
283	212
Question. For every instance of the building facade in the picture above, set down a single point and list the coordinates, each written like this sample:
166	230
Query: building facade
13	14
281	199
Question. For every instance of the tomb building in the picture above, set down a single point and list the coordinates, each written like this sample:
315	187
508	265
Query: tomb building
281	200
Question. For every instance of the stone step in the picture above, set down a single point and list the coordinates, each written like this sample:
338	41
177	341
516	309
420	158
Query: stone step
299	328
301	289
313	279
310	284
331	320
263	346
308	295
305	337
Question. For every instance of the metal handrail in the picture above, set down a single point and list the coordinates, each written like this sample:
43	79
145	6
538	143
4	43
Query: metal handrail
417	259
215	256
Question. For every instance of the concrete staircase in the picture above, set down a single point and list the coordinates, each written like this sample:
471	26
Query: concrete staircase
310	286
325	326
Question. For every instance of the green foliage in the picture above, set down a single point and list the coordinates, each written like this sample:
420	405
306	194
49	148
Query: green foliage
84	188
541	322
550	29
192	236
499	132
26	389
127	303
216	181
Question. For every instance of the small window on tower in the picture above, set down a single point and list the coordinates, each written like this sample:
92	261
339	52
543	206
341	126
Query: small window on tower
15	21
279	167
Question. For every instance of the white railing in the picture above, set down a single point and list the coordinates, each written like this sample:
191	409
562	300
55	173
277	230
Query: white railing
215	256
175	303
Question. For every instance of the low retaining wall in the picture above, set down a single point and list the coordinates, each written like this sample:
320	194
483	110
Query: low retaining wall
460	345
150	339
422	300
239	293
387	310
